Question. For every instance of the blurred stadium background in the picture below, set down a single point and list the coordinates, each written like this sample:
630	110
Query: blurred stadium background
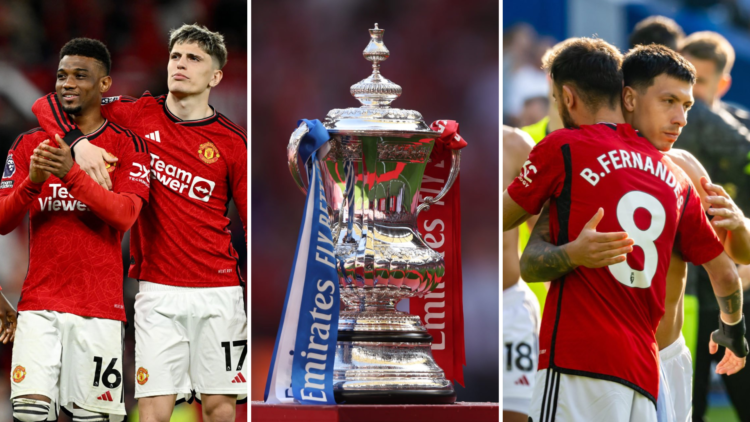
31	34
444	54
531	27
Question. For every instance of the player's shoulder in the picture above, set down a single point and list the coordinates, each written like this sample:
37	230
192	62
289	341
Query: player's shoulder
235	133
563	136
146	99
31	137
127	139
516	140
687	163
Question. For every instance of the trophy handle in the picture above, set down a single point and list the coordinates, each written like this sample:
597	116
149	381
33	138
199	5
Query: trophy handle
455	165
292	154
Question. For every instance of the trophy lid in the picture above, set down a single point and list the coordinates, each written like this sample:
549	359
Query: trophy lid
375	117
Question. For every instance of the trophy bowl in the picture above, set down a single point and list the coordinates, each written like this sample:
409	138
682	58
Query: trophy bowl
372	173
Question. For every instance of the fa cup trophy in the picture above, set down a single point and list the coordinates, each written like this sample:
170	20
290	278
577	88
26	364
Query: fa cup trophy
371	176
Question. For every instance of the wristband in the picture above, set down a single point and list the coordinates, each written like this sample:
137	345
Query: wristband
732	337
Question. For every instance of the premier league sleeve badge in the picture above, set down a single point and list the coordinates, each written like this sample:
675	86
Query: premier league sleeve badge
10	167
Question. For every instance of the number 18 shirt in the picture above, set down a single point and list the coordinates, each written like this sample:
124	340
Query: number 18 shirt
601	323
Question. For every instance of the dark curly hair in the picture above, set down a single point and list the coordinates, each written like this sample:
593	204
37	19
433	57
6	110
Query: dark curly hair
88	47
643	63
592	65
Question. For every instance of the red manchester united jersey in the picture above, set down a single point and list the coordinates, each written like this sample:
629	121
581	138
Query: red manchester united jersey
601	322
182	238
75	258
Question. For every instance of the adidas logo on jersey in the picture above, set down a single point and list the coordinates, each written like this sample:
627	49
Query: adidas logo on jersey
239	379
106	397
522	381
154	136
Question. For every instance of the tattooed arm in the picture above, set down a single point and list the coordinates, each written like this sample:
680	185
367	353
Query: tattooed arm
543	261
727	287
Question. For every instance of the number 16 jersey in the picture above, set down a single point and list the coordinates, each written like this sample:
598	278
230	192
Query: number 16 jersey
601	323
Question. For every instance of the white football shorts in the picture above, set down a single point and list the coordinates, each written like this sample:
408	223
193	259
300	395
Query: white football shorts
572	398
70	359
520	346
190	341
677	370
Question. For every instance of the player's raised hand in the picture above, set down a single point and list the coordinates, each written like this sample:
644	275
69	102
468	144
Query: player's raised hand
595	250
7	320
726	213
92	160
730	364
58	161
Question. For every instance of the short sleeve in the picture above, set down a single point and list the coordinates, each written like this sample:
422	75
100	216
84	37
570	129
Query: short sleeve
133	168
16	167
696	239
541	177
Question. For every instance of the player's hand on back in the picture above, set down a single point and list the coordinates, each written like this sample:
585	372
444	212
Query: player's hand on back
8	317
92	160
592	249
726	213
57	161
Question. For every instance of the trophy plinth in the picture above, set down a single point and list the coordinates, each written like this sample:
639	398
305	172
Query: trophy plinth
372	175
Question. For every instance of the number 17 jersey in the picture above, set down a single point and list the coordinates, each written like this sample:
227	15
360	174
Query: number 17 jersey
601	323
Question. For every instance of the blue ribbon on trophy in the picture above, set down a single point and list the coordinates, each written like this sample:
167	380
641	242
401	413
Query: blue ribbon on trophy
303	357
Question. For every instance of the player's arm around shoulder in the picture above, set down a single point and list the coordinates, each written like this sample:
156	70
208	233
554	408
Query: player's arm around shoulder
729	222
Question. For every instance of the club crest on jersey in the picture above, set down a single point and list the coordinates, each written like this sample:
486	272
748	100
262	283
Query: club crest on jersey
10	167
141	376
19	373
208	153
110	166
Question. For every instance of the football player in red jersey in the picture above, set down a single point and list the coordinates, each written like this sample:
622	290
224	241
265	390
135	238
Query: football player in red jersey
190	321
69	341
601	162
650	84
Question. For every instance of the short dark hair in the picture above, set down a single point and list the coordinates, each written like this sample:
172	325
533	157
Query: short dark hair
88	47
657	30
709	45
592	65
210	42
643	63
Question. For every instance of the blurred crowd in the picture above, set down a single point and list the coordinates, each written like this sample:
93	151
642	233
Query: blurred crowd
305	56
525	85
136	33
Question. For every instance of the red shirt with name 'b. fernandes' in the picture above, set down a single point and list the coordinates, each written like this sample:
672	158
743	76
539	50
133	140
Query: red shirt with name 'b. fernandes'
182	237
75	257
601	323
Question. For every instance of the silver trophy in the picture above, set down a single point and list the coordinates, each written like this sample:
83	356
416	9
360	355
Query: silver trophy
372	171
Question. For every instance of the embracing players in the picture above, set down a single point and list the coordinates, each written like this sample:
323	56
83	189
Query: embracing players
190	321
651	74
598	353
68	346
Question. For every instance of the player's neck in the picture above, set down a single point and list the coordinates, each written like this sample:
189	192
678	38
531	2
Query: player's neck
555	122
607	115
189	107
89	121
